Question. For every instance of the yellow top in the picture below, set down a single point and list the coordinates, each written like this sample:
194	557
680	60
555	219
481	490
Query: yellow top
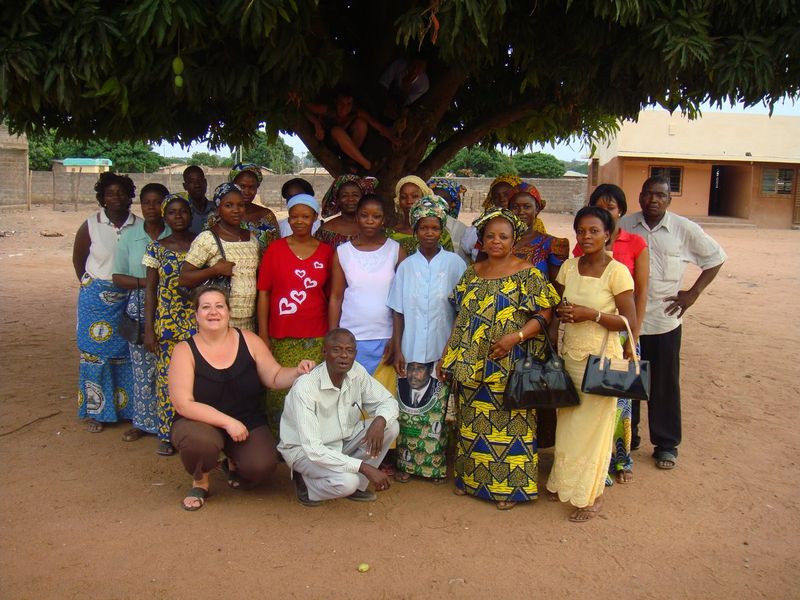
585	338
204	252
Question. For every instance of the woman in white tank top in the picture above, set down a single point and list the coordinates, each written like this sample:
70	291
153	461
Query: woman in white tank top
361	277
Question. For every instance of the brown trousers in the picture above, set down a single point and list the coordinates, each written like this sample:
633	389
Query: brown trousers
199	445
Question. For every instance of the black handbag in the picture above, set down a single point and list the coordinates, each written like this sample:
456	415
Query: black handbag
617	377
131	329
540	384
220	281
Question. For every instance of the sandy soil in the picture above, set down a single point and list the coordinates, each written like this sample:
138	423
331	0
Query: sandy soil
84	515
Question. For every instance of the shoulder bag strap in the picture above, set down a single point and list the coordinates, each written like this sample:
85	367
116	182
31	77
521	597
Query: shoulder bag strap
219	244
632	342
543	324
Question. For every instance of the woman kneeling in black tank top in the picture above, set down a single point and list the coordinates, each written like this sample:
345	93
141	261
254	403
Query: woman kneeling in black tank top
216	383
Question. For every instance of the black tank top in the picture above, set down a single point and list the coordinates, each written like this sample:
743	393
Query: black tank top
236	391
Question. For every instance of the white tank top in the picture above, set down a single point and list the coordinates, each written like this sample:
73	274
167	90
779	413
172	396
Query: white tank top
369	278
104	237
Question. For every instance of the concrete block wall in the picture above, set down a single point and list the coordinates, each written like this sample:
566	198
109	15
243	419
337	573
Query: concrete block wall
562	195
64	187
13	169
566	194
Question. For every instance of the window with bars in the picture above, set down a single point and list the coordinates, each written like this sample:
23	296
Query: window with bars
673	174
777	181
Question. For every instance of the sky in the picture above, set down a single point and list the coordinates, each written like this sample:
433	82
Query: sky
573	150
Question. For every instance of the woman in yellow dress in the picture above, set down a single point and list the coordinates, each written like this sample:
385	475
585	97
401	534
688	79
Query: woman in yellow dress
596	290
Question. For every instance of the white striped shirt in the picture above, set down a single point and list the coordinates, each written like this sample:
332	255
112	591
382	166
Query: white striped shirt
318	416
674	243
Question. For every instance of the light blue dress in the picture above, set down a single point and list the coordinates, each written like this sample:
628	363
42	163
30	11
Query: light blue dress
420	292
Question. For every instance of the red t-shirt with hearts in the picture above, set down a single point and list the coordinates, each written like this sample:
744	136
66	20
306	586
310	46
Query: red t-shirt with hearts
298	294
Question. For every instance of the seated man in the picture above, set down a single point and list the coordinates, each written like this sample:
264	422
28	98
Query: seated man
332	452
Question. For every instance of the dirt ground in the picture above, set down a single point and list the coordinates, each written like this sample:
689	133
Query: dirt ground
86	515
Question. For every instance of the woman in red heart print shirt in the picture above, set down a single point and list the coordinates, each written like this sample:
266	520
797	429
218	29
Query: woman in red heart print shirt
293	296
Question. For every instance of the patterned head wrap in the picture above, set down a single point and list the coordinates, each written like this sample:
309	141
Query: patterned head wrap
530	190
223	189
305	200
330	201
511	180
240	168
455	190
519	227
429	206
170	197
426	191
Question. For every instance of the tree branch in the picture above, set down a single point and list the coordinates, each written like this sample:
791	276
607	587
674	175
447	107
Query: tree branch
476	132
326	157
426	115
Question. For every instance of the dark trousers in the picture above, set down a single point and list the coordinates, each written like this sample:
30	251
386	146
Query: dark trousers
664	407
199	445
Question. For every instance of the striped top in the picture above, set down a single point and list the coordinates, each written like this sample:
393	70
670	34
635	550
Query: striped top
318	416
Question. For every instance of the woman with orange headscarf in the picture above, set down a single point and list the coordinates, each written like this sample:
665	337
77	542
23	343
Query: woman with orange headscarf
497	196
542	250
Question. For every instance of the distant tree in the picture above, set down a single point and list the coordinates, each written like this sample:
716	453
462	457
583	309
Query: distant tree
538	164
477	161
309	160
579	166
40	152
128	157
274	154
207	159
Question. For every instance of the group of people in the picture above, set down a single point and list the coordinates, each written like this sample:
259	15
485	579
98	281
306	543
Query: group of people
383	333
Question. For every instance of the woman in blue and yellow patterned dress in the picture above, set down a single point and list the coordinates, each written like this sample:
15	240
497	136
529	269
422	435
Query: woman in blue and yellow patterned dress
169	316
495	300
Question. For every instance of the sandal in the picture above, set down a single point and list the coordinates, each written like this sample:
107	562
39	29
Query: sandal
459	492
505	505
401	477
439	480
165	449
552	496
132	435
93	426
233	476
623	477
199	494
665	460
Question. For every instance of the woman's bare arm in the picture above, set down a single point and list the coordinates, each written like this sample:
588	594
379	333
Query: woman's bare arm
338	285
80	249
